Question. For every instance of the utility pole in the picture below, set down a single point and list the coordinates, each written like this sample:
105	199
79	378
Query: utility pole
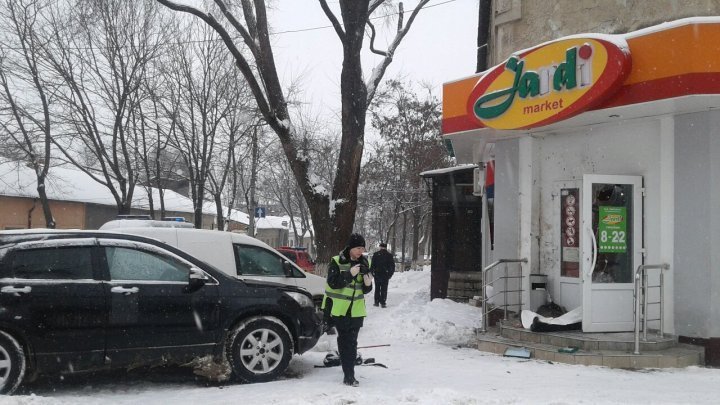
253	180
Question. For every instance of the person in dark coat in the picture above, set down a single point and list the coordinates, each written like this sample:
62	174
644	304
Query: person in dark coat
348	281
382	268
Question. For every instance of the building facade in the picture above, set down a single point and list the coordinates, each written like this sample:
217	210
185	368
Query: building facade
605	147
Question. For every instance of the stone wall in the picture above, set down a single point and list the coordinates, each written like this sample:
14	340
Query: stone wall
520	24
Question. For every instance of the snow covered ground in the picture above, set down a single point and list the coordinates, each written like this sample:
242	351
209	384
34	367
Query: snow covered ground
427	364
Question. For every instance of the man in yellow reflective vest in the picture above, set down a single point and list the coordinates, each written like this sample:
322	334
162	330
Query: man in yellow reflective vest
348	281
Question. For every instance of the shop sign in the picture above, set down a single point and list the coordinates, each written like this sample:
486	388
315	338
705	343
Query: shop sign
550	82
612	229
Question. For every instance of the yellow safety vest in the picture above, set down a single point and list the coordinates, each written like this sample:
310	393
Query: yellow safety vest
343	298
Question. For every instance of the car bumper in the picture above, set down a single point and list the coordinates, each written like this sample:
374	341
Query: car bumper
311	330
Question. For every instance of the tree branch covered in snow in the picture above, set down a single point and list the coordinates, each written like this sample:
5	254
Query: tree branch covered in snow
379	71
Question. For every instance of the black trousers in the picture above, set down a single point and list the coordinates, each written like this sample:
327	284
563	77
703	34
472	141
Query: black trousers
381	286
347	330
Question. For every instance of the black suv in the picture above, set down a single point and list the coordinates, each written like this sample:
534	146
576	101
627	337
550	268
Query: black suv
83	300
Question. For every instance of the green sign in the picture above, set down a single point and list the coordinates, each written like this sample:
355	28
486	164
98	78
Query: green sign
612	230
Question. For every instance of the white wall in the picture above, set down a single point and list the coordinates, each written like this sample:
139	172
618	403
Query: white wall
697	222
627	148
630	148
679	159
507	214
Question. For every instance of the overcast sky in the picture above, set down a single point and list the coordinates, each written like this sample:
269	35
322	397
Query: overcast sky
440	47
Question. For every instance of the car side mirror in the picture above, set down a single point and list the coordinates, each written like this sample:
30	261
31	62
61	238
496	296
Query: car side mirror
288	269
197	277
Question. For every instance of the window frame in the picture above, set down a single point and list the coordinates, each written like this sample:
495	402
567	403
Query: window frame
277	255
89	243
150	249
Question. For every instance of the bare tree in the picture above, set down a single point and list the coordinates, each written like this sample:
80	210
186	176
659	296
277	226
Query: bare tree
203	95
332	212
26	119
408	124
101	53
234	129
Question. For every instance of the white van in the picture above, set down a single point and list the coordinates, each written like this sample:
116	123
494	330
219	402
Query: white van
235	254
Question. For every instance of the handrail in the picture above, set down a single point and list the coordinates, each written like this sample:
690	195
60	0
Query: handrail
641	284
483	286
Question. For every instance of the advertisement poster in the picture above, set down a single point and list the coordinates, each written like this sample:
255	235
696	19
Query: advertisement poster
569	232
612	229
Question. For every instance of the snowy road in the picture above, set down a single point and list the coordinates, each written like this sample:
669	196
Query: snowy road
426	365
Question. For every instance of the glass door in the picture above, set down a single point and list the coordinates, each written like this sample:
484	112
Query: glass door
612	249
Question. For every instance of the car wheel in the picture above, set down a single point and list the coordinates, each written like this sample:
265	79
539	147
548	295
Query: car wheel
259	349
12	364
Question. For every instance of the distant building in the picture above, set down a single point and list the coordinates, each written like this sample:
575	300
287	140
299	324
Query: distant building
79	202
277	231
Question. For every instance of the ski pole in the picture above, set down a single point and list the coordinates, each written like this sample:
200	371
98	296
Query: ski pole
370	347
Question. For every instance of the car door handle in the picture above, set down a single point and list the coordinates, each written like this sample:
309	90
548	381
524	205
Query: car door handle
126	291
14	290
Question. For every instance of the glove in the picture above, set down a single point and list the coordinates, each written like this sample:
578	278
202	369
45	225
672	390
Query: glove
364	269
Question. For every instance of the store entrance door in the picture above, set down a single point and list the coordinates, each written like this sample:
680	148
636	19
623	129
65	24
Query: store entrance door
612	248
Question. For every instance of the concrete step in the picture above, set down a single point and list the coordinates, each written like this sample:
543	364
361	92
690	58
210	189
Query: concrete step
471	276
679	355
464	284
619	341
467	293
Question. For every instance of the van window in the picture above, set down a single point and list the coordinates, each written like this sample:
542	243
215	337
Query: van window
256	261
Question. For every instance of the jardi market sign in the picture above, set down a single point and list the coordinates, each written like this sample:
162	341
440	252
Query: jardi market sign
550	82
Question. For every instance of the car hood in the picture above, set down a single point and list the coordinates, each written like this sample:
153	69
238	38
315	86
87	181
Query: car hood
315	284
270	284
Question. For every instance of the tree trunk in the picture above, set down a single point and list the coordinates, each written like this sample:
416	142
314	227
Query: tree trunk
49	220
416	233
354	107
404	233
219	208
151	203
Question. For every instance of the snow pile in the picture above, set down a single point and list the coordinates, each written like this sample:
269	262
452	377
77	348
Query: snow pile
411	316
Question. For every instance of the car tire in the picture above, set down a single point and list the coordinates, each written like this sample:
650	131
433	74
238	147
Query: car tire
12	364
259	349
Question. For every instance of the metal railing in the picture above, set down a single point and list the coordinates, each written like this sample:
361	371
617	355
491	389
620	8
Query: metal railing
484	283
641	287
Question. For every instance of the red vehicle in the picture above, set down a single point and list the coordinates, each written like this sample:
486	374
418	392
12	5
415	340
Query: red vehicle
300	256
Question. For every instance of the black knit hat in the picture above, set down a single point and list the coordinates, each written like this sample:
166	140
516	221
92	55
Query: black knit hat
355	240
383	244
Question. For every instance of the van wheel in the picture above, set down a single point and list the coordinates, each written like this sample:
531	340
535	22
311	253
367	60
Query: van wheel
12	364
259	349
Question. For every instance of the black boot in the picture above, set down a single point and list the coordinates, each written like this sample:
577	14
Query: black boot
351	381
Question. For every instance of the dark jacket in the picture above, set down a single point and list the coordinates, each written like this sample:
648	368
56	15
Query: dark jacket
338	279
383	265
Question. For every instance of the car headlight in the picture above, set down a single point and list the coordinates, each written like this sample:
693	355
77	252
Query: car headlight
301	299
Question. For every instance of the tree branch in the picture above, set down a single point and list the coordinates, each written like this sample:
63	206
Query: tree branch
372	41
374	5
240	60
333	20
379	71
248	37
